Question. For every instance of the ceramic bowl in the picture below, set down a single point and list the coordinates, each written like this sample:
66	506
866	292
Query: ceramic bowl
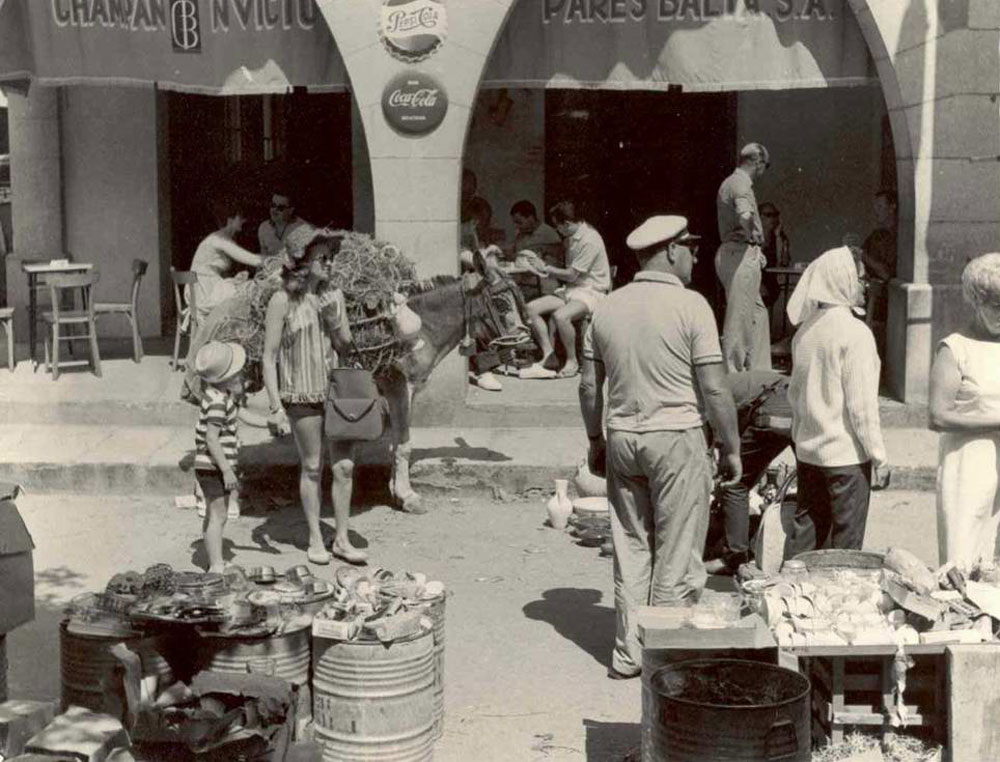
591	507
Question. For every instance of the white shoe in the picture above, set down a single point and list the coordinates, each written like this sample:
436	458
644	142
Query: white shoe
537	371
489	382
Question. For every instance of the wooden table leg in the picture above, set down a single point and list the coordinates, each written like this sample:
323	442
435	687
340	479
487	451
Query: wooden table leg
32	309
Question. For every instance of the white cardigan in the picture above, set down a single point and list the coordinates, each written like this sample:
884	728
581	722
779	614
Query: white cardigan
834	391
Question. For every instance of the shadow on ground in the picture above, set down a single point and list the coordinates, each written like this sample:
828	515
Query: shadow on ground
612	741
462	451
575	614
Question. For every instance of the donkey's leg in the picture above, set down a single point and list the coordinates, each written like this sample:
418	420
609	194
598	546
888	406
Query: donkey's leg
400	397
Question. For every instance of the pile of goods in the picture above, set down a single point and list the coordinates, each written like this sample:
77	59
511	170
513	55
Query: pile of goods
376	605
370	273
854	598
255	602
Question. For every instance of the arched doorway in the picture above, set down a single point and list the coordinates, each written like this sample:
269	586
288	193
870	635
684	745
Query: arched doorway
645	113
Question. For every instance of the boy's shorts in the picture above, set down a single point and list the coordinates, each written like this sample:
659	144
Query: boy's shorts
211	483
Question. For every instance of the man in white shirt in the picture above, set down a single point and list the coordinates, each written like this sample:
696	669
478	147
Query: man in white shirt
586	281
272	232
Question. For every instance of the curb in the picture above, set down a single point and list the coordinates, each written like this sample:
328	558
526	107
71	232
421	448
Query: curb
439	477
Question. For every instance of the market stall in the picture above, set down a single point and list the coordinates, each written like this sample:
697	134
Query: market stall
879	635
250	664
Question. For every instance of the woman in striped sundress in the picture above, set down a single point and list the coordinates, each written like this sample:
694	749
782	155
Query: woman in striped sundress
303	319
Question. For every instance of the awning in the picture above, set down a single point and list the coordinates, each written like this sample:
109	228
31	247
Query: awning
203	46
699	45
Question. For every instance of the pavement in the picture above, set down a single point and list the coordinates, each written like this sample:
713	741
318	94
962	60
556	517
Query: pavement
529	624
128	432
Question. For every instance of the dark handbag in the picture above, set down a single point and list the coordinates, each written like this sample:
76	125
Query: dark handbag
354	409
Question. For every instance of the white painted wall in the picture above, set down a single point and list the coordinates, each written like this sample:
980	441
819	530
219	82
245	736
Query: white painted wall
825	160
110	181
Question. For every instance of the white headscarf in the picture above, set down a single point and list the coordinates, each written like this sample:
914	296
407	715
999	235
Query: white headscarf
832	278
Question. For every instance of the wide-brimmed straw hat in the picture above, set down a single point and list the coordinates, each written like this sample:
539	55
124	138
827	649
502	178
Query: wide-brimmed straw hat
219	361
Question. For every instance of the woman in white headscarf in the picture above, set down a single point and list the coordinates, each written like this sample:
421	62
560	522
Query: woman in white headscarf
834	397
965	408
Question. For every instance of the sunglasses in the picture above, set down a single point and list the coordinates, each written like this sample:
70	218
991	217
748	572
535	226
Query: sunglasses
770	214
281	206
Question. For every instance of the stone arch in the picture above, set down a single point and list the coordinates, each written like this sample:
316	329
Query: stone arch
913	260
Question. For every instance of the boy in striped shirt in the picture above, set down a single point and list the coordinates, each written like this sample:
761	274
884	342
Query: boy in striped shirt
217	446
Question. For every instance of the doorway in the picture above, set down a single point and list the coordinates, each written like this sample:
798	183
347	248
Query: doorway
625	156
251	145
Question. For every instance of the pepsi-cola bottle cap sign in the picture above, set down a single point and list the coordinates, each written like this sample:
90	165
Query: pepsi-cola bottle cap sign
414	103
411	30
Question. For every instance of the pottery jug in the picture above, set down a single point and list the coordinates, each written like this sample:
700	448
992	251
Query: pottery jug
559	505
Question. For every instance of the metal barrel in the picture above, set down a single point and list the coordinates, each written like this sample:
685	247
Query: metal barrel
770	721
88	667
435	609
374	702
289	654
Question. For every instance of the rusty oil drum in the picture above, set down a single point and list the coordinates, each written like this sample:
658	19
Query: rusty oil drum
435	610
88	667
374	701
690	728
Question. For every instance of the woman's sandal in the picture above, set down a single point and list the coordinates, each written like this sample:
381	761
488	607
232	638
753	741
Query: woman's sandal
351	555
319	557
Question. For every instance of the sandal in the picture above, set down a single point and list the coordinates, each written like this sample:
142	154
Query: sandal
319	557
567	373
351	555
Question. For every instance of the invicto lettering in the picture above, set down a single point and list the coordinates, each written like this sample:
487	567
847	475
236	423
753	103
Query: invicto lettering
263	14
146	15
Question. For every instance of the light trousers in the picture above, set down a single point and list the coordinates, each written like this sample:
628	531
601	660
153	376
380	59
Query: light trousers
968	503
659	486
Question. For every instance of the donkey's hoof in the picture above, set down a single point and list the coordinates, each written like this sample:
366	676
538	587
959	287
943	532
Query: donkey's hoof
413	503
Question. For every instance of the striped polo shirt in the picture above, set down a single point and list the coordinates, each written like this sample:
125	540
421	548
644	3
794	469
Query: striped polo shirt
218	408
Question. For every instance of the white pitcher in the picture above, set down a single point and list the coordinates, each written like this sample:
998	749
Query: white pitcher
559	505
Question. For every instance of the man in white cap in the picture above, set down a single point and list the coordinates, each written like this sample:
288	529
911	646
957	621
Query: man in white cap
739	263
657	344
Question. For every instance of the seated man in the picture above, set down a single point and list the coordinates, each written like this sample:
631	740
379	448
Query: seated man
765	417
541	240
586	280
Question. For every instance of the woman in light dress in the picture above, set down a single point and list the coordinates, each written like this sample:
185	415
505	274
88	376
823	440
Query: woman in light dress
215	258
965	408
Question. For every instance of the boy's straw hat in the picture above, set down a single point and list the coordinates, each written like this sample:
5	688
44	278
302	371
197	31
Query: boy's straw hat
219	361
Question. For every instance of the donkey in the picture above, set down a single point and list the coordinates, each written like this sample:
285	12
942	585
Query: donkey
452	310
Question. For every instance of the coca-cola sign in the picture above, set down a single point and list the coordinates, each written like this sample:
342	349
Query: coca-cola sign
414	103
411	30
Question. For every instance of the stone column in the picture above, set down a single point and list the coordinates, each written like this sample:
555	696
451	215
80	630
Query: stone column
415	180
36	188
938	65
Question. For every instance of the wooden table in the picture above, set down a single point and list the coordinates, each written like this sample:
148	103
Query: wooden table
33	270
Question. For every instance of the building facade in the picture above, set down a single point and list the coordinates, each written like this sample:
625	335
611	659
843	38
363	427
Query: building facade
545	98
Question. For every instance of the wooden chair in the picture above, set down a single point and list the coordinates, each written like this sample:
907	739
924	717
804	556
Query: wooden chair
59	316
129	309
182	278
7	320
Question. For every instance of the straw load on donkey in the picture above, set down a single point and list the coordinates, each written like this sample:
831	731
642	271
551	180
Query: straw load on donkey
482	308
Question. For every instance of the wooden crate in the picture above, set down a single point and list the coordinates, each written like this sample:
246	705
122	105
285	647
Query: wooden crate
858	690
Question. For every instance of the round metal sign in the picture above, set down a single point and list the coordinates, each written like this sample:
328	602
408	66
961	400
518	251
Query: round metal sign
411	30
414	103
